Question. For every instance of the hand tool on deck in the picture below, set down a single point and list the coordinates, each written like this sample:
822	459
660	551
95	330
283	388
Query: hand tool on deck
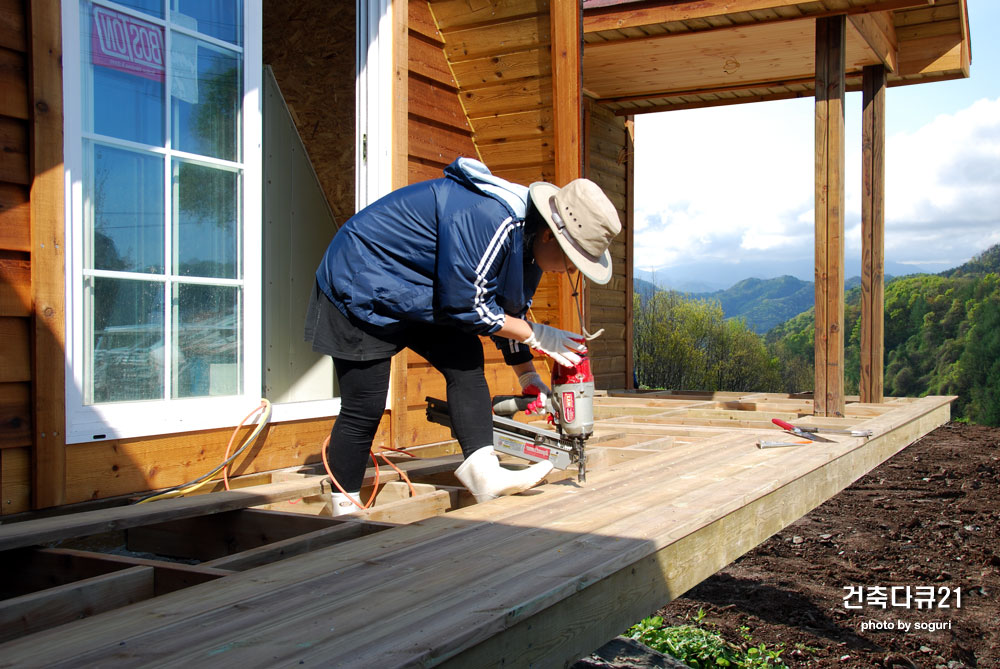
809	431
779	444
571	409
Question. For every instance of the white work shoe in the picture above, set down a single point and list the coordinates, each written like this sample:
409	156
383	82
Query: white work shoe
482	474
341	504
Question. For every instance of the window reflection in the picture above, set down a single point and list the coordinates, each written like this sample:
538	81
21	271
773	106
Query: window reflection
127	202
126	339
207	351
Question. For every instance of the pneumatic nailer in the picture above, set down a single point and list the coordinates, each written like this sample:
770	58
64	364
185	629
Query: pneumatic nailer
570	408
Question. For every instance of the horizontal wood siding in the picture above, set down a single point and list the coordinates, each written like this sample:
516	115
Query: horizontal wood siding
607	151
15	261
120	466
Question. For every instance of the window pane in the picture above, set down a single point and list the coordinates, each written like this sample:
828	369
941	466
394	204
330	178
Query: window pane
222	19
206	214
154	7
205	98
123	75
126	208
207	350
125	339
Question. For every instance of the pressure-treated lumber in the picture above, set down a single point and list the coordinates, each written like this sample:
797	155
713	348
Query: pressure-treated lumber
48	257
23	615
873	235
829	274
879	33
56	528
619	17
531	579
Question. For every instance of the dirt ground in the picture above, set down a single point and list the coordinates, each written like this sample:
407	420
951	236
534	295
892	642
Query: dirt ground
926	519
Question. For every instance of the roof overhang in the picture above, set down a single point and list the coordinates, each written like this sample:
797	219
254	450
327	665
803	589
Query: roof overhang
657	56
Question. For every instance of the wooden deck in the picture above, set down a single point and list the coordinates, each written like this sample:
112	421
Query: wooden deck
676	490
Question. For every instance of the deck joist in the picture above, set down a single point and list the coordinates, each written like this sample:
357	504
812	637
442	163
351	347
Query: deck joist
677	490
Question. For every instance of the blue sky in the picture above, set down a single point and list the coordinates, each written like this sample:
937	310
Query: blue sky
740	200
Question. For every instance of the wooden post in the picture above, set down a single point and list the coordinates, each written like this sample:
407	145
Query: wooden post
873	233
567	102
830	86
629	249
398	403
48	268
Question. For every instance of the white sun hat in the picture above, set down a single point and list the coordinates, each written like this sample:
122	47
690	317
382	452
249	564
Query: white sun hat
584	221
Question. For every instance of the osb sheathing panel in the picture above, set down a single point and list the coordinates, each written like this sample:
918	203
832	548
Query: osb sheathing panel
310	46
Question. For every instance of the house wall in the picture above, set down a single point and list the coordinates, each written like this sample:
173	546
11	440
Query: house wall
15	261
309	45
608	156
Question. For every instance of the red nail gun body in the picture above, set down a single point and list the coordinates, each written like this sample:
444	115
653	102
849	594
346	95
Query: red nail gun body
571	409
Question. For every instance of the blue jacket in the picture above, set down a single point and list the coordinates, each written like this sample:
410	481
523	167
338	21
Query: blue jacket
448	251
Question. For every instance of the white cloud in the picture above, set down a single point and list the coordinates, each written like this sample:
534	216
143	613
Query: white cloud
735	184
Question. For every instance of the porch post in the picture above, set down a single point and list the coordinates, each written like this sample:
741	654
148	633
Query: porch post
830	46
567	105
873	233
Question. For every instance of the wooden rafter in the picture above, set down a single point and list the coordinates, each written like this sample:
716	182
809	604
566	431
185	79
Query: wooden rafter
878	31
616	18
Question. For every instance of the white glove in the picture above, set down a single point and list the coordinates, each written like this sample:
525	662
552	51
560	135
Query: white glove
560	345
532	384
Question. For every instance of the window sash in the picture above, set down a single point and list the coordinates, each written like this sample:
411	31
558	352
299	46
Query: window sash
89	422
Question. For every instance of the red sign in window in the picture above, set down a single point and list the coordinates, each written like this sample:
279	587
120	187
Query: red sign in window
127	44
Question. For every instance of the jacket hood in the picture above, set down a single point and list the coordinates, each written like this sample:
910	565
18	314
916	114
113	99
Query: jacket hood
477	176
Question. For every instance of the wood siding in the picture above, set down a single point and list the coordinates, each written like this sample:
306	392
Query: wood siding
15	261
608	153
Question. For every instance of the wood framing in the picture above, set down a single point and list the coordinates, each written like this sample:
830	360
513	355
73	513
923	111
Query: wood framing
830	93
615	17
534	580
567	114
873	234
48	257
400	177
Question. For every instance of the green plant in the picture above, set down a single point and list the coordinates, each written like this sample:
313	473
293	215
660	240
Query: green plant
696	647
700	648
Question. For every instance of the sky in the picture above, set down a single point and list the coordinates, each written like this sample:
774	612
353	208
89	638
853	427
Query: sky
726	193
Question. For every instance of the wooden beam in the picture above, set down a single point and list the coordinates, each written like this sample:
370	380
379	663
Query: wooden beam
616	18
213	536
629	249
304	543
873	234
400	178
878	31
42	610
829	271
567	106
48	267
86	523
167	576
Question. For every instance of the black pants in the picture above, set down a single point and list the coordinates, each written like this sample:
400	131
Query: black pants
364	385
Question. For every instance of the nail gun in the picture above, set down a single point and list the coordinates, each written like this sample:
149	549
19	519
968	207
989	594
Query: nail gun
571	410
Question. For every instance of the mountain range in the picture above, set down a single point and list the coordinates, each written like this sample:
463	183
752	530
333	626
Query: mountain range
707	277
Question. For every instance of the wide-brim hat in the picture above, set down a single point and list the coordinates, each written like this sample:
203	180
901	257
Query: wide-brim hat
584	222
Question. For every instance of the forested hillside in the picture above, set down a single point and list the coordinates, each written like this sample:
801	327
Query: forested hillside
764	303
942	337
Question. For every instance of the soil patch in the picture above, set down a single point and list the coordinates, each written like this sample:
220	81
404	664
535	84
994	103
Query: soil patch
926	521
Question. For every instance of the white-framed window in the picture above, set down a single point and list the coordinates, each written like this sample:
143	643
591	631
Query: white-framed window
163	163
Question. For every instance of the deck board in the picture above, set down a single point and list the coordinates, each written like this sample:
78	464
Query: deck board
540	578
